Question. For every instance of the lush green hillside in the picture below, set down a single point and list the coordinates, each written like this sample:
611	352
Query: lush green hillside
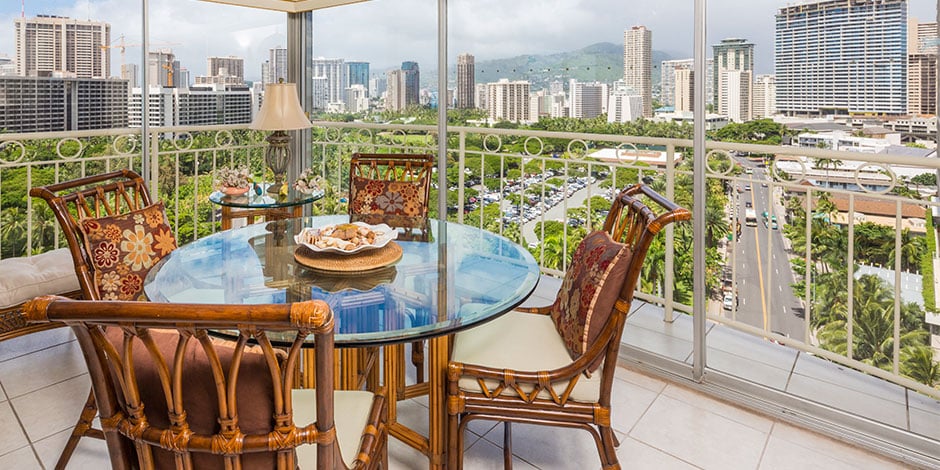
602	62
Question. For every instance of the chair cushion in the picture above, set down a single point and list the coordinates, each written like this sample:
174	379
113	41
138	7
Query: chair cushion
351	414
124	247
387	197
48	273
589	291
520	341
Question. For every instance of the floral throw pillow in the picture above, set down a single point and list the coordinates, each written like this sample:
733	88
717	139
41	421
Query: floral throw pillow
387	197
590	288
124	247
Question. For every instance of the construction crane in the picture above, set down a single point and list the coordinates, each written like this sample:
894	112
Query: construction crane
169	74
121	46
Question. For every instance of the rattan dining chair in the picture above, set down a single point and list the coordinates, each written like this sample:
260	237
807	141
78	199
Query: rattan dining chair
540	365
171	397
117	194
393	189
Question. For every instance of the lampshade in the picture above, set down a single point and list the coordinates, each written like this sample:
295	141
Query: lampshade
281	109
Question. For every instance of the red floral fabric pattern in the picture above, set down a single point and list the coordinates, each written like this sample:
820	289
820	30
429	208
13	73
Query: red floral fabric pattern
387	198
124	247
590	288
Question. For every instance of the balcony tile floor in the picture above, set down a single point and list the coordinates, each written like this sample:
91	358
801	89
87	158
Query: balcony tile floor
661	425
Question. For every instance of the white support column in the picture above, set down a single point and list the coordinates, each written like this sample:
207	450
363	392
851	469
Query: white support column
300	71
699	297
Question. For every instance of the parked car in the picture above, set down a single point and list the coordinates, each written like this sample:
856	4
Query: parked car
728	301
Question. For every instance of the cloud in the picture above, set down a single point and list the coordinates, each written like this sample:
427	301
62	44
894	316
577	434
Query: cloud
387	32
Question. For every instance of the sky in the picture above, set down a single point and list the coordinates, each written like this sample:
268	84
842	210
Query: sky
387	32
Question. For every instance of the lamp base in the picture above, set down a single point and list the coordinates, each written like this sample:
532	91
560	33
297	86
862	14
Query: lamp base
277	157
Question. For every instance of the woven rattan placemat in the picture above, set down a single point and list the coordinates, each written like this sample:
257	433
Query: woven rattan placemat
353	263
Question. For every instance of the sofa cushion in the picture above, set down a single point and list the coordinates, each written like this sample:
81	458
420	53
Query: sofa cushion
48	273
589	291
520	341
124	247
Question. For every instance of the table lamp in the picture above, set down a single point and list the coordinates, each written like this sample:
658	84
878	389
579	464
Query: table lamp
280	112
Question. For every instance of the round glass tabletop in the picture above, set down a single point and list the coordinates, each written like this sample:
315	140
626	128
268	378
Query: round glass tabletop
449	277
257	198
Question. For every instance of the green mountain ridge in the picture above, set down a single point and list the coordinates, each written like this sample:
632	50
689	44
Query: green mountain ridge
602	62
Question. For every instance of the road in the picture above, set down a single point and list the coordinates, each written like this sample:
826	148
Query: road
760	263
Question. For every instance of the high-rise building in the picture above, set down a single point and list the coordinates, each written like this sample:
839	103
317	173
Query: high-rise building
479	96
357	99
275	68
732	55
61	46
508	101
52	104
921	37
129	72
412	76
637	64
588	100
466	81
737	95
838	57
357	73
334	70
395	93
625	104
922	84
765	96
163	69
197	106
377	86
667	82
683	79
921	67
320	93
223	71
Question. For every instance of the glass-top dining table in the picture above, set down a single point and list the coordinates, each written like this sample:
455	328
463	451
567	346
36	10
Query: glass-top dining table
449	277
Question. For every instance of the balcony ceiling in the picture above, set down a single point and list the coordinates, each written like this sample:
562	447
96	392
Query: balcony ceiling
289	6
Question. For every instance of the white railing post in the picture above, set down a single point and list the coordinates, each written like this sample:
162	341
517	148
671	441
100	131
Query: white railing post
669	279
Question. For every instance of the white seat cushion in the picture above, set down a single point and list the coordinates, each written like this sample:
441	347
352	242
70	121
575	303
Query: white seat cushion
524	342
351	413
21	279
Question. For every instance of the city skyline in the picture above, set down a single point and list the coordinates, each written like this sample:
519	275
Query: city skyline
382	32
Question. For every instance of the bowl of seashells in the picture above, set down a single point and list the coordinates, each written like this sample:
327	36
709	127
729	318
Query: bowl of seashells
346	238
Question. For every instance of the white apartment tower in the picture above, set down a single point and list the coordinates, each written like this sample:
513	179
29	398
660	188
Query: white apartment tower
129	72
466	81
508	101
684	91
624	104
335	72
588	100
921	67
61	46
864	72
357	98
637	64
479	96
223	71
667	82
765	96
275	68
732	55
395	93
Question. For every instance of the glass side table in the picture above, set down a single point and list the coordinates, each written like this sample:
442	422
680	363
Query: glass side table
252	204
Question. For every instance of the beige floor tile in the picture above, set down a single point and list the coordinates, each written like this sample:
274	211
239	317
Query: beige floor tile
90	453
638	378
698	435
550	448
635	454
740	415
20	459
484	455
52	409
816	443
57	363
23	345
628	402
12	436
403	457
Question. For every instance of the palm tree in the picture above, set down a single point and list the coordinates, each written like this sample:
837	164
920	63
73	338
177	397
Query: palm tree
912	249
917	363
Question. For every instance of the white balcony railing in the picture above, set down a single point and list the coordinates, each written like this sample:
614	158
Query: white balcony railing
521	183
